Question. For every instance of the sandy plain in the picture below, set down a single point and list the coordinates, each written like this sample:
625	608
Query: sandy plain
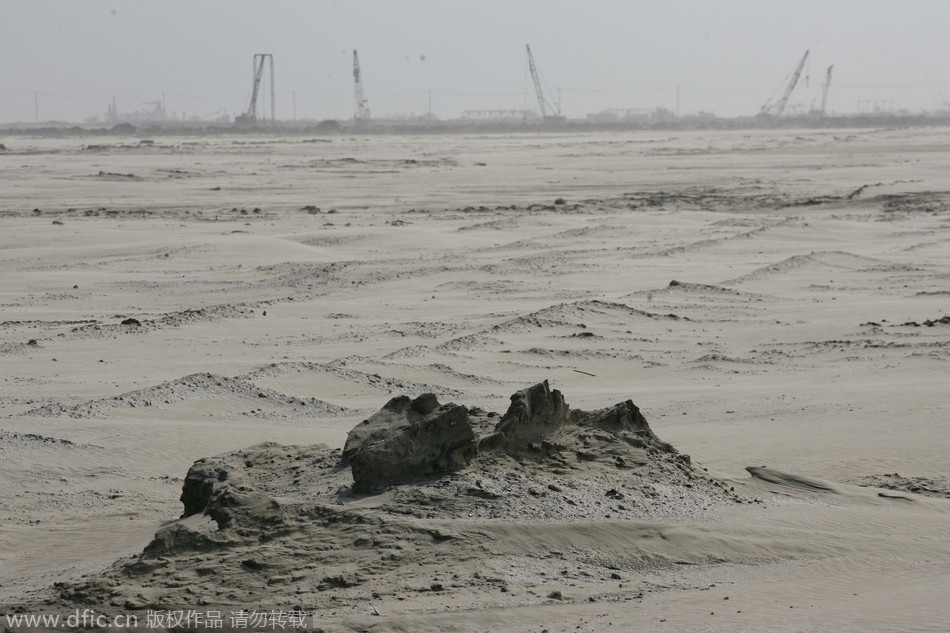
767	298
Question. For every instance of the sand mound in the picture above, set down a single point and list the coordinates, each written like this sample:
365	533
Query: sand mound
198	386
419	486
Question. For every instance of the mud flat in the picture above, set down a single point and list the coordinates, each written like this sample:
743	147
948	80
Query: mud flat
775	303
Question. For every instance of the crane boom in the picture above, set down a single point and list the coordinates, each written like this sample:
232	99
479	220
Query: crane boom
255	90
779	106
537	81
249	117
536	78
824	89
362	111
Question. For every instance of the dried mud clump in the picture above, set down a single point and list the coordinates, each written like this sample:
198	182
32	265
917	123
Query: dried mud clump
534	413
407	439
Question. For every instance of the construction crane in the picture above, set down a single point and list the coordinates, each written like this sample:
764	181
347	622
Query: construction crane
549	111
257	68
779	106
824	90
362	111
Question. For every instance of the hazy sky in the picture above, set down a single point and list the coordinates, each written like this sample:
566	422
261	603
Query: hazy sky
726	56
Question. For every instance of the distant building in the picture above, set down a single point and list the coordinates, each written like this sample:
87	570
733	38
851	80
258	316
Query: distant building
157	113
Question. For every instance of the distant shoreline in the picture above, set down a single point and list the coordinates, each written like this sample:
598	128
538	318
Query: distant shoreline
463	126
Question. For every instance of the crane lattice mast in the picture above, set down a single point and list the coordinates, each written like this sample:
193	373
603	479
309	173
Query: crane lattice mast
257	73
536	78
362	111
779	107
